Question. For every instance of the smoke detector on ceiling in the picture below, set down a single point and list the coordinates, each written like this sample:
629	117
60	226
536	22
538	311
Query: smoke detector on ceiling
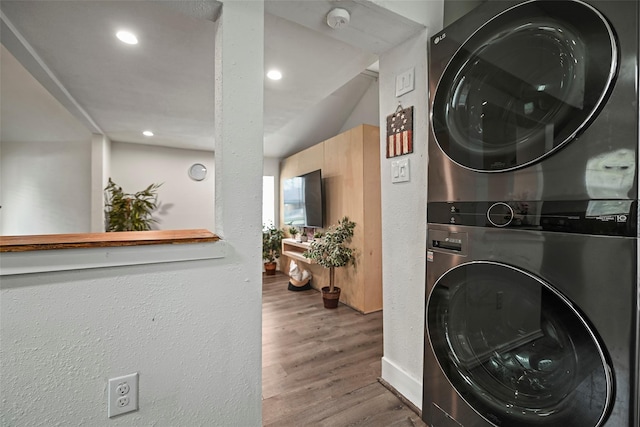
338	18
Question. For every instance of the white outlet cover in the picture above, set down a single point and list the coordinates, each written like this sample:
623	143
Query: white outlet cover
122	395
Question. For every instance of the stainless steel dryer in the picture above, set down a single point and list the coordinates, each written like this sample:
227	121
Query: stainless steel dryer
535	100
531	315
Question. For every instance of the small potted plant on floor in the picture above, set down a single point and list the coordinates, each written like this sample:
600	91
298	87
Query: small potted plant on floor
271	247
330	250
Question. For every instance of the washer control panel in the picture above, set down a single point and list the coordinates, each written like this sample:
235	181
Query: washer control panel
600	217
452	242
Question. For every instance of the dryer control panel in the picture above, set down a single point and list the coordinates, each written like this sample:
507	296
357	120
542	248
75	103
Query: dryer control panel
452	242
600	217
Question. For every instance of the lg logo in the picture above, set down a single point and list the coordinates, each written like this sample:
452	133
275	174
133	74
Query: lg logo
439	38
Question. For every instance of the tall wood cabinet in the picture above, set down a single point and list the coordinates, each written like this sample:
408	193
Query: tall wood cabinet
350	164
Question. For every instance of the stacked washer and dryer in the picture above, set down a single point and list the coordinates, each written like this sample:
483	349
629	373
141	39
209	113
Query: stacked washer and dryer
532	311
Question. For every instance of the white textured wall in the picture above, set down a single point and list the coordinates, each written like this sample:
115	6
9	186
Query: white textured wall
45	158
271	167
182	326
404	216
183	202
367	111
45	187
100	172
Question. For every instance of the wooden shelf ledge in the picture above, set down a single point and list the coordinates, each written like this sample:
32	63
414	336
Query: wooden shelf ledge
294	249
101	240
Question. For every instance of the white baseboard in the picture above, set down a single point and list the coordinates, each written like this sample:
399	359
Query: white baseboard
404	384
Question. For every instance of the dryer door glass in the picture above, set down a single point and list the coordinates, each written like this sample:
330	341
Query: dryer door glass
523	85
516	350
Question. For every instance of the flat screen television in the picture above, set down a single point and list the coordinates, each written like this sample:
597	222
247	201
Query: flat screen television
304	200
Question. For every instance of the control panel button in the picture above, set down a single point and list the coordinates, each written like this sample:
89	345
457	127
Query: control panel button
500	214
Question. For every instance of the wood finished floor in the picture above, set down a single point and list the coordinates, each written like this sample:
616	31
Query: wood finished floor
321	367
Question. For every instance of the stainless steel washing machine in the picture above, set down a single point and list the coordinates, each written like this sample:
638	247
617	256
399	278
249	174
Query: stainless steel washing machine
532	314
535	100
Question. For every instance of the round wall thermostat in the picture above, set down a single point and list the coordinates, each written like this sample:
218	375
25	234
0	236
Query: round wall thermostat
197	172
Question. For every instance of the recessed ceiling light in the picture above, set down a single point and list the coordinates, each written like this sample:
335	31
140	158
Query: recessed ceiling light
274	74
147	133
127	37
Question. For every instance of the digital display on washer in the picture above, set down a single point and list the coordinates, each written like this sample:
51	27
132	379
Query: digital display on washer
600	217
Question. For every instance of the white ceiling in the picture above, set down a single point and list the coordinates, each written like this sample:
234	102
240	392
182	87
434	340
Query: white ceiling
165	83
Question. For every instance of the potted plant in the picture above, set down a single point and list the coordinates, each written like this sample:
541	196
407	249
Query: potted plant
297	234
294	231
330	250
271	247
129	212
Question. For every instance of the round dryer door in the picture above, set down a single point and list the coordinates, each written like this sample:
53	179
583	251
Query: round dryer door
524	84
516	350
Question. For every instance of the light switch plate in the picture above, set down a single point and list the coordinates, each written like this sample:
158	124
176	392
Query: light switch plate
405	82
400	170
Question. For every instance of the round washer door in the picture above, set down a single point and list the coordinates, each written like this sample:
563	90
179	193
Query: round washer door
516	350
524	85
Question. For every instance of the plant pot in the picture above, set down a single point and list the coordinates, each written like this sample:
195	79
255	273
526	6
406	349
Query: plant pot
270	268
299	285
330	299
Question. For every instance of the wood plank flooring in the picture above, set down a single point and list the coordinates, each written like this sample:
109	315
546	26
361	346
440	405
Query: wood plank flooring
321	367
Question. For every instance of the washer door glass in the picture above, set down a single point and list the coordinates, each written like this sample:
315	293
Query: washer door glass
524	85
516	350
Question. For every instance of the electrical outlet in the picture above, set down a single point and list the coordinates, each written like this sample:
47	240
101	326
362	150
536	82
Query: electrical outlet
122	401
123	395
123	388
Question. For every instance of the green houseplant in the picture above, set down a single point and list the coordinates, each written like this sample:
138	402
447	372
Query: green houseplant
271	247
298	234
129	212
293	231
330	250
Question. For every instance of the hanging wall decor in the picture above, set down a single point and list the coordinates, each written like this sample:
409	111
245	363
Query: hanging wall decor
400	132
